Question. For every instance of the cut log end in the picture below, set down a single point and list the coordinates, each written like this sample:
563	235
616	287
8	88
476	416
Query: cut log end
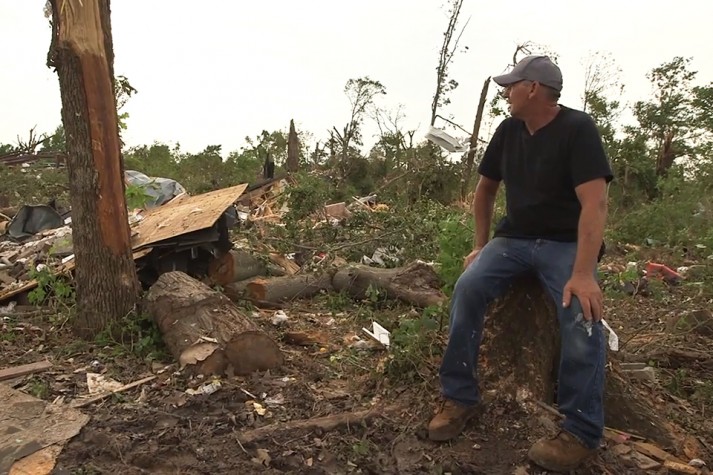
205	331
253	351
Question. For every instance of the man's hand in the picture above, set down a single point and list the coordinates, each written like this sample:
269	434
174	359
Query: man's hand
471	257
585	287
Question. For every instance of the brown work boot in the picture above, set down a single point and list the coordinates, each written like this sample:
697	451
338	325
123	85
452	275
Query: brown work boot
560	453
450	420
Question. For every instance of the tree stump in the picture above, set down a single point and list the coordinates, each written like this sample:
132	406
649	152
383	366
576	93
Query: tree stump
520	356
205	331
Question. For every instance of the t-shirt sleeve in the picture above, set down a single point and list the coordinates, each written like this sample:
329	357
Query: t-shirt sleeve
490	165
588	158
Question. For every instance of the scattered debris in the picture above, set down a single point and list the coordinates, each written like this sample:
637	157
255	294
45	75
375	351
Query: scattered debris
379	333
206	388
91	400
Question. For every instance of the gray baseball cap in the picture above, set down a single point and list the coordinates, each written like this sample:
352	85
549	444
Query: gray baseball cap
533	68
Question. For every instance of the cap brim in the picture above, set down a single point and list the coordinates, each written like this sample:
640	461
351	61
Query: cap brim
506	79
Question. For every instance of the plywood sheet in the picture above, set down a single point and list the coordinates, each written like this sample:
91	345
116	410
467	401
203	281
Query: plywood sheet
28	425
187	215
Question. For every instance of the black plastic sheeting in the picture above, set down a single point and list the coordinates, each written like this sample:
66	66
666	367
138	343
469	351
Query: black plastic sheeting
32	219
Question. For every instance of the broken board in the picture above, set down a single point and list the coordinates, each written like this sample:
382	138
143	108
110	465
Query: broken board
185	216
28	425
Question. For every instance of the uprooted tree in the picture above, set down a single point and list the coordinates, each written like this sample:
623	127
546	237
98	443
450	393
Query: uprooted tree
81	52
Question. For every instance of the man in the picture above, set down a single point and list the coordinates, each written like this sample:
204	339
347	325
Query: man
555	172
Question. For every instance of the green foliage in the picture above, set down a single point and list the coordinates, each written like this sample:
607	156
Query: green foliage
28	186
56	142
455	242
136	196
51	289
414	342
135	334
309	194
682	216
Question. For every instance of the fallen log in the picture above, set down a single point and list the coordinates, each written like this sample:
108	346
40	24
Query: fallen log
325	423
205	331
520	355
235	265
417	283
286	288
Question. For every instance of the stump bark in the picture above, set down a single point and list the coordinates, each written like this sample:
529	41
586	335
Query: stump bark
520	356
205	331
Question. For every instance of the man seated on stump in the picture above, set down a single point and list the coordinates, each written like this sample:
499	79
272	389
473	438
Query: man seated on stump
552	162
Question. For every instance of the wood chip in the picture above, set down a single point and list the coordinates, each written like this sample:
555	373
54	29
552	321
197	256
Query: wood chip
682	468
644	462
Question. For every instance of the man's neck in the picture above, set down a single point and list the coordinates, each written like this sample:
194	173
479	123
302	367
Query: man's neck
541	118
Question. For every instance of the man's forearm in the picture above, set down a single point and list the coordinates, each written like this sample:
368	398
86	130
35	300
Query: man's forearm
590	236
483	213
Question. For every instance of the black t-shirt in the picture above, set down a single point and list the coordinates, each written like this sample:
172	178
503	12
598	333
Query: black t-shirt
541	172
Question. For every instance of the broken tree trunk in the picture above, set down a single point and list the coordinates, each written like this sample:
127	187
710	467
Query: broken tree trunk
286	288
205	331
81	51
234	266
417	283
293	149
520	356
470	157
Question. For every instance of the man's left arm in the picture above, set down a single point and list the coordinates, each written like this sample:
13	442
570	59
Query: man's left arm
591	173
592	196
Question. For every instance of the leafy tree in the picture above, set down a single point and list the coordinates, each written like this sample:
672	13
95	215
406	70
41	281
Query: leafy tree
668	118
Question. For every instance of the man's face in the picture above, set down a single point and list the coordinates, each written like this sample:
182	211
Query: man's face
518	96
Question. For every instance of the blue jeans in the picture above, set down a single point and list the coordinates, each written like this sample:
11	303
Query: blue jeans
583	354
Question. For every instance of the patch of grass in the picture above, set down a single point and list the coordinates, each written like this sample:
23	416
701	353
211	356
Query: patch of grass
135	334
38	388
414	343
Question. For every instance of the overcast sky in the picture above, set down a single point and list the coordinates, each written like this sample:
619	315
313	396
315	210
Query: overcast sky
215	71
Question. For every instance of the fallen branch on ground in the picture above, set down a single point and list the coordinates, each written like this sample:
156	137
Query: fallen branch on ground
325	423
99	397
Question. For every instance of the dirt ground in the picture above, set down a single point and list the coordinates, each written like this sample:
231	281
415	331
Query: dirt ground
159	428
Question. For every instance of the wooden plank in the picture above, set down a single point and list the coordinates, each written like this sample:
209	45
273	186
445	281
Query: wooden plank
653	451
188	215
22	370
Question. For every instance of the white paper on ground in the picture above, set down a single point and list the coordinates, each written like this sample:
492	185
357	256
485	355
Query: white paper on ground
613	338
379	333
